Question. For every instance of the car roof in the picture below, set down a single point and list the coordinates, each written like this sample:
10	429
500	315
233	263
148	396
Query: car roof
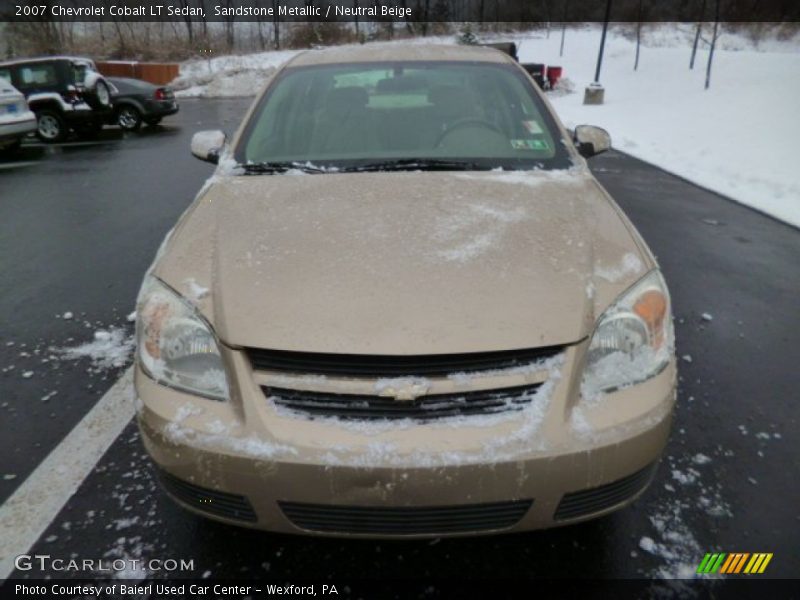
16	61
398	52
131	81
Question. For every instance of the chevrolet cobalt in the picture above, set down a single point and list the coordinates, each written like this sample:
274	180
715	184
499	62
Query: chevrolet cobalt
403	307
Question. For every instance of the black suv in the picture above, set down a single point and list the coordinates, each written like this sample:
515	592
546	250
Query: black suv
66	93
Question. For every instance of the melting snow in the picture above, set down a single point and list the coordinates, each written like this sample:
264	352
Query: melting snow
414	386
110	349
685	478
526	423
196	292
630	265
619	366
474	230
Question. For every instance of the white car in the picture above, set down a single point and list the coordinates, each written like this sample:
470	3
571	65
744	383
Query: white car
16	119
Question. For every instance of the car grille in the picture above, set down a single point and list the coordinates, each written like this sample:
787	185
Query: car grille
587	502
433	406
222	504
406	521
370	365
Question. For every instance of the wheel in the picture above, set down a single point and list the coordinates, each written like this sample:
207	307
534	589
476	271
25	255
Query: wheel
152	121
51	127
99	95
129	118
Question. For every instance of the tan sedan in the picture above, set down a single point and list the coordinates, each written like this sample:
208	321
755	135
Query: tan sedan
404	307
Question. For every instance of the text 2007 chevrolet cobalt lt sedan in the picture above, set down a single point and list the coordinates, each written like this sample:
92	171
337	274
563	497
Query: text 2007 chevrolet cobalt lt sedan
404	307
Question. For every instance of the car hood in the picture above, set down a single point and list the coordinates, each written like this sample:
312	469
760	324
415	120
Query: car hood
403	263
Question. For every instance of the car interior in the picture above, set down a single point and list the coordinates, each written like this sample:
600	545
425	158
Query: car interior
399	112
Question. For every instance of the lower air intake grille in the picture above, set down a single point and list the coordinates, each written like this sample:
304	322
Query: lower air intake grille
406	521
222	504
369	365
587	502
434	406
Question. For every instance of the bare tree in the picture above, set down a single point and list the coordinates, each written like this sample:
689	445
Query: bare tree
184	4
638	37
697	33
713	45
276	25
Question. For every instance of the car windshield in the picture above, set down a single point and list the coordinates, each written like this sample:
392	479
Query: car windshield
401	115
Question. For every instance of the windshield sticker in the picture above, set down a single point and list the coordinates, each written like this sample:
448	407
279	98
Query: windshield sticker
535	144
532	126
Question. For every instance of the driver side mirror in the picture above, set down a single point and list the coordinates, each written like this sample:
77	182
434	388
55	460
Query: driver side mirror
207	145
591	140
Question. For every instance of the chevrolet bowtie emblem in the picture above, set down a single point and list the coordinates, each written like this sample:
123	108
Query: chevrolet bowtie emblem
404	390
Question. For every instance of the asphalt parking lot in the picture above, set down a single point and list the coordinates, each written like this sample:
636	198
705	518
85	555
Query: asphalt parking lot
80	223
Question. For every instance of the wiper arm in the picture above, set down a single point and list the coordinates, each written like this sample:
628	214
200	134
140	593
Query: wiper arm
418	164
270	168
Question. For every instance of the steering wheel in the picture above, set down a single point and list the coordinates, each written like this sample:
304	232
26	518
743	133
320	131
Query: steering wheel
467	122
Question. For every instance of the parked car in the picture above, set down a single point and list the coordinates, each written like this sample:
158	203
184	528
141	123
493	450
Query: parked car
404	309
139	101
66	93
16	119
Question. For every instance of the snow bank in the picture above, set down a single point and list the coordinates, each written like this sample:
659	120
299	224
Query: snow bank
227	76
736	138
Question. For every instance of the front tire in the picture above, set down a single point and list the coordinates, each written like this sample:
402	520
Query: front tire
129	118
51	127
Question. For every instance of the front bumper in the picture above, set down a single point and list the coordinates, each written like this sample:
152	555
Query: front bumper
245	463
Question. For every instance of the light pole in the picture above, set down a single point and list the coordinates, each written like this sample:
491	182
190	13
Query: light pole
594	91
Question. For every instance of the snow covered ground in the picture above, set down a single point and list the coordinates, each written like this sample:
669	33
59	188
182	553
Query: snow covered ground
736	138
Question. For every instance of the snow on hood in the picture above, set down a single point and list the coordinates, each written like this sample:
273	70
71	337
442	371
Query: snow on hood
395	263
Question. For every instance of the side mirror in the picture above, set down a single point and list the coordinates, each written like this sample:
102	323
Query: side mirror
207	145
591	140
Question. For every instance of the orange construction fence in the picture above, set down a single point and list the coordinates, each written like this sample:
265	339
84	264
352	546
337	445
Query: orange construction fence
156	73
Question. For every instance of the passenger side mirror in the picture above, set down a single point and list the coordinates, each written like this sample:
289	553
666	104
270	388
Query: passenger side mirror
591	140
207	145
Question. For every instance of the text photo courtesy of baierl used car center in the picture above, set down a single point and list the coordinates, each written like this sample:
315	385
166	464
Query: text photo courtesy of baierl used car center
399	299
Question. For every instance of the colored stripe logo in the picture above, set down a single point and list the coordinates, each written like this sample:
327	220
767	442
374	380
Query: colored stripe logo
735	563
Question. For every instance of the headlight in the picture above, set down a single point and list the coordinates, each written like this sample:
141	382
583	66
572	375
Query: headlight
633	340
175	345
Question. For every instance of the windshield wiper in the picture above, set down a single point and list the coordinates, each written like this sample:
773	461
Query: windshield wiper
419	164
269	168
402	164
